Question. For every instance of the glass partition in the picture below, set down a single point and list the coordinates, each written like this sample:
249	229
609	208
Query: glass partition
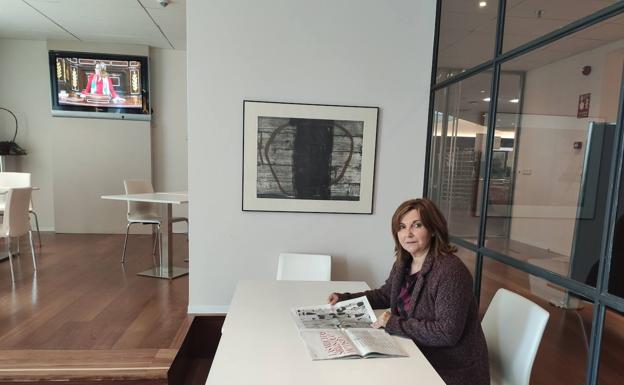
457	147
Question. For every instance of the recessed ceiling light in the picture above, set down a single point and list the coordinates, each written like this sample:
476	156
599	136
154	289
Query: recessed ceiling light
482	91
486	99
482	4
514	101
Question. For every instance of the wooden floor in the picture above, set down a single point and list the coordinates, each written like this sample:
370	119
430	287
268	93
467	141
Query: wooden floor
84	315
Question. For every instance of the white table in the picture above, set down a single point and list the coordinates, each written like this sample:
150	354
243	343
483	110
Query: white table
166	200
260	343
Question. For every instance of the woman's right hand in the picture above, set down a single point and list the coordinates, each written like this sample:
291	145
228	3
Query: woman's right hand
333	298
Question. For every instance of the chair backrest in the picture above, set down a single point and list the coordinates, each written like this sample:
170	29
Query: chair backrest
16	221
139	209
303	267
14	179
513	328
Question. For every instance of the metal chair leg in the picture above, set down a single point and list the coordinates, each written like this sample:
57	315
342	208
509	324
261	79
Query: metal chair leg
159	237
155	238
37	226
8	242
32	250
123	255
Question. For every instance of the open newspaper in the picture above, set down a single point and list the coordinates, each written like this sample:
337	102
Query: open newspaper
343	330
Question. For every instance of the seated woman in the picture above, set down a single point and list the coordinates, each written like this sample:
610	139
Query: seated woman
429	293
100	84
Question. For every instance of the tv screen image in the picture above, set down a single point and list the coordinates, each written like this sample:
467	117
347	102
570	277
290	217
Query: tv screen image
99	85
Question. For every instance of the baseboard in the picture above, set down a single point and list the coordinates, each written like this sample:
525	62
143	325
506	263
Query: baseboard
208	310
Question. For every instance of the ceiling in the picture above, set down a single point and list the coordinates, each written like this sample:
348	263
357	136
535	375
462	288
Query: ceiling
467	31
143	22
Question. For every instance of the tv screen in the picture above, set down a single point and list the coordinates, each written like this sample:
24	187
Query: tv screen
99	85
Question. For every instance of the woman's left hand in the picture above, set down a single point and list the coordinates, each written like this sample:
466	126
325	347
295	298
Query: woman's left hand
382	320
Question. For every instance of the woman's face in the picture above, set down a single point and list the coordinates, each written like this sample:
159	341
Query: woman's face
412	234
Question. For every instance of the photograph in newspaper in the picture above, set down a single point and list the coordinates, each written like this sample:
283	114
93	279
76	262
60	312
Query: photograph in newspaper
353	313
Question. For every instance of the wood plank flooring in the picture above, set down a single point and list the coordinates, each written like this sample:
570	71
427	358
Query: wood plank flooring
84	316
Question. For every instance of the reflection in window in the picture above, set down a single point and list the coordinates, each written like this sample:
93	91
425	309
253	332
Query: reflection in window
561	118
465	27
529	20
565	342
612	350
457	146
468	257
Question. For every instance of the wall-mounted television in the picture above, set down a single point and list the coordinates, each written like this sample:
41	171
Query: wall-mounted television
95	85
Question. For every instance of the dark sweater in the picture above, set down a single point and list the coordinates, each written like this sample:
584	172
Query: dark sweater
443	320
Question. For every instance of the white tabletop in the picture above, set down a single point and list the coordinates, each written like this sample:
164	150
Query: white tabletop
261	344
157	197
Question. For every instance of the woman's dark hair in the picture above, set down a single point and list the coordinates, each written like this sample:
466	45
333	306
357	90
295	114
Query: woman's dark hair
431	218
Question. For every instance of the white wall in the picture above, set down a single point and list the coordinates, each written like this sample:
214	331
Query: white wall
75	160
25	90
353	52
92	157
169	125
545	198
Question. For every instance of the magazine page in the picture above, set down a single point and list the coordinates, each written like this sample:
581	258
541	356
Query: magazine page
374	342
327	344
352	313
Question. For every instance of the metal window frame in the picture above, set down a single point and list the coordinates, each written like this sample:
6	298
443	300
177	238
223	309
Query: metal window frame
599	295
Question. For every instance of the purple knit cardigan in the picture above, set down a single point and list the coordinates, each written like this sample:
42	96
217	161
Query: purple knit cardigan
443	319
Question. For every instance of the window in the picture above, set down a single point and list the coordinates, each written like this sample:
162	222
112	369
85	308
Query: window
529	184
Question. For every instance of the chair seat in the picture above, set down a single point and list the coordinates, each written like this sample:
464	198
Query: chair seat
179	219
144	218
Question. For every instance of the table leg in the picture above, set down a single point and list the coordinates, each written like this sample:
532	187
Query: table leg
166	268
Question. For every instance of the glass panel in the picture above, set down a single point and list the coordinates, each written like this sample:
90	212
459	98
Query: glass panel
528	20
556	125
616	272
612	349
469	258
458	140
466	36
562	355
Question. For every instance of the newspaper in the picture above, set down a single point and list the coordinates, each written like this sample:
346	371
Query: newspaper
343	331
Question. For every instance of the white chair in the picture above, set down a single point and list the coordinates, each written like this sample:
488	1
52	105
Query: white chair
16	221
144	213
303	267
513	328
18	179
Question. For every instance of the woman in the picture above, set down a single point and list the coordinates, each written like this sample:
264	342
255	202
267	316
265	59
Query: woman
429	293
99	83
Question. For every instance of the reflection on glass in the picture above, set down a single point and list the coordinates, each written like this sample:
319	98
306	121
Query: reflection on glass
468	257
457	144
612	349
529	20
466	36
562	355
616	271
556	114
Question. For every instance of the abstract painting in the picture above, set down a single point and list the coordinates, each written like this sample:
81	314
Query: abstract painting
308	157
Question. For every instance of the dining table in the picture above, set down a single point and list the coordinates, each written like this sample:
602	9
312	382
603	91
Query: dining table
260	343
165	200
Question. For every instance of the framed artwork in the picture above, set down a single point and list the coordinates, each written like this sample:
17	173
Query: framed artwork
308	157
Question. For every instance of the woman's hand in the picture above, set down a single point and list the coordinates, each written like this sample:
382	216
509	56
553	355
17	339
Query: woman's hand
382	320
333	298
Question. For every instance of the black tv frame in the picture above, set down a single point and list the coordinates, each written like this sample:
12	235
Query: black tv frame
64	110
